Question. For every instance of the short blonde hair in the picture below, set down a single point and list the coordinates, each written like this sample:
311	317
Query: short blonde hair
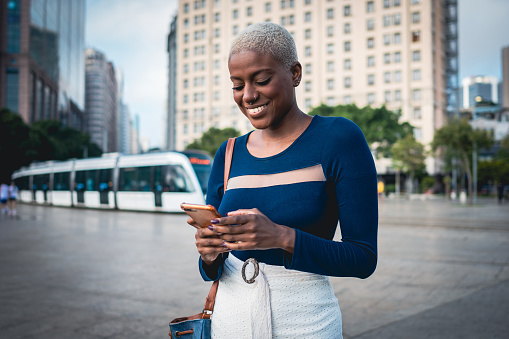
269	38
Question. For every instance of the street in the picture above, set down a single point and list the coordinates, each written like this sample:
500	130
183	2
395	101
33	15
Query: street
443	272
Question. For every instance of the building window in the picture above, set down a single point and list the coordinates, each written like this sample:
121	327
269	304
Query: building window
268	7
370	24
387	3
217	33
186	38
330	31
397	19
416	55
235	13
387	58
307	34
347	28
307	103
291	19
387	96
217	48
347	10
416	94
186	23
186	8
415	2
330	48
307	86
417	113
397	3
331	101
371	42
416	17
307	51
397	38
185	99
12	90
307	17
370	6
291	3
186	68
371	79
307	68
371	61
397	57
397	76
416	74
330	84
416	36
417	134
347	64
330	13
330	66
283	21
249	11
216	80
283	4
186	83
387	39
387	20
348	82
347	46
216	95
371	98
186	53
347	100
217	64
397	95
387	77
307	2
235	30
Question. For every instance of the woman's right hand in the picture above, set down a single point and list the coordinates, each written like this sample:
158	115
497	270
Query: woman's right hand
208	243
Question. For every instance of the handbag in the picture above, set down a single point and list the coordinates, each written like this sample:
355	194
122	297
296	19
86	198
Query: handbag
198	326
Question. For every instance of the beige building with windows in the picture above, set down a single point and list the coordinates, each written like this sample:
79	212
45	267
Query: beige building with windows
398	53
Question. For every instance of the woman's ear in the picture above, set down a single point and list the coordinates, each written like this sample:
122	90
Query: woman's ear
296	73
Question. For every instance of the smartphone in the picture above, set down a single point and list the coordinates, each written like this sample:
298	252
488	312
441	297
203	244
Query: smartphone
202	214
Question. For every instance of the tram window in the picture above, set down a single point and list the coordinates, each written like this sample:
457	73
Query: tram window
91	180
158	179
176	180
144	178
81	177
128	180
61	181
41	182
105	180
22	183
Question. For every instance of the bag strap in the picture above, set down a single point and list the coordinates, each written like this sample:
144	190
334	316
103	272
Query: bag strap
211	298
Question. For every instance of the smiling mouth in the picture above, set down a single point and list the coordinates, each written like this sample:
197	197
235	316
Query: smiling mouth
256	109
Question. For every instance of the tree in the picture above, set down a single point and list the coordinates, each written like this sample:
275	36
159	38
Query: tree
503	152
408	155
380	126
13	143
212	139
458	140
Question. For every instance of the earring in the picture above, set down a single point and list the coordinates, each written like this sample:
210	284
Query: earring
296	83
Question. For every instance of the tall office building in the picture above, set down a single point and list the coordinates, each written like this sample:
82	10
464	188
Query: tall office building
42	67
124	125
101	103
171	107
505	77
479	88
402	54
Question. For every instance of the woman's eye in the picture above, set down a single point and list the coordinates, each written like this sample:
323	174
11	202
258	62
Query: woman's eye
238	88
264	82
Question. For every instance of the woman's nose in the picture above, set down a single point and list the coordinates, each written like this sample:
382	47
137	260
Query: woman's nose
250	95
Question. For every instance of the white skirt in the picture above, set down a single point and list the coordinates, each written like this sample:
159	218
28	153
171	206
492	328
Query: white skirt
280	303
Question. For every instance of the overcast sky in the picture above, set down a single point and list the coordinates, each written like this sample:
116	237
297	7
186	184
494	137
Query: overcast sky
133	34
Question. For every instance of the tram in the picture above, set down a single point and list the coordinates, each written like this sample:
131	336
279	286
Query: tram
158	181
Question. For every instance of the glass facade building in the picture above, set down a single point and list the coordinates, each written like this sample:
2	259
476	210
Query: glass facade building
42	66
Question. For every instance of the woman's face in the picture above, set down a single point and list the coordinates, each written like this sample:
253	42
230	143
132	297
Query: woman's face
262	88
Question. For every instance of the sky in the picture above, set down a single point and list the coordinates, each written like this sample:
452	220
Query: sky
133	35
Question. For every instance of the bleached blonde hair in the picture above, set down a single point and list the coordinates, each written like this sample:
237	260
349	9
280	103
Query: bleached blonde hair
267	38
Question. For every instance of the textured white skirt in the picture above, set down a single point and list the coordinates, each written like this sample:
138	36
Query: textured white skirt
281	303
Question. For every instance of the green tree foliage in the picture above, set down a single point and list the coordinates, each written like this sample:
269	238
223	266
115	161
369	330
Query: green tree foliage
212	139
44	140
493	172
408	155
503	152
457	140
380	126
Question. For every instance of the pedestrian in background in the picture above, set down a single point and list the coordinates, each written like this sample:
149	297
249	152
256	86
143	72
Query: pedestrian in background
4	197
13	195
500	191
292	179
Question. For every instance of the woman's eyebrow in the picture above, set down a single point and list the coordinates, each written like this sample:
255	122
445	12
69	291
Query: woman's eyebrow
232	77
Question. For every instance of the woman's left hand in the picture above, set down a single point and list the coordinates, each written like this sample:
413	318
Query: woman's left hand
252	230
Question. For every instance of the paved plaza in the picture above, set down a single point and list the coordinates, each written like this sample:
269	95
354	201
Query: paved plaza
443	272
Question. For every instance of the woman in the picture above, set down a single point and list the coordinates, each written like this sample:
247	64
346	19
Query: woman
13	195
292	179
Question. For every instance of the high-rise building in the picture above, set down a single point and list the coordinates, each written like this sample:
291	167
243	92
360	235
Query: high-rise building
402	54
101	100
478	89
171	108
124	125
505	77
42	67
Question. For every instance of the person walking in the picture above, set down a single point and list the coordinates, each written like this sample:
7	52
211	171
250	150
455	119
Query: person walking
13	195
292	179
4	197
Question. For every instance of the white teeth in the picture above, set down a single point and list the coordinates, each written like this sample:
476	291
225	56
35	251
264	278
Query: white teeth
256	110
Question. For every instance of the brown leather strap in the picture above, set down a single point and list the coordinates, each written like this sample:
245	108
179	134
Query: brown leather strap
211	298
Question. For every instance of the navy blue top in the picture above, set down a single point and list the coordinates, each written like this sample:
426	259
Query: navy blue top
346	193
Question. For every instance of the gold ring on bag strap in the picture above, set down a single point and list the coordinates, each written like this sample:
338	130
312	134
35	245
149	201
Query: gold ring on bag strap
256	272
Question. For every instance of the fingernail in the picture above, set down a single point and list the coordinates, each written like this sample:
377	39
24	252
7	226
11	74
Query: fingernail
224	244
211	227
215	221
